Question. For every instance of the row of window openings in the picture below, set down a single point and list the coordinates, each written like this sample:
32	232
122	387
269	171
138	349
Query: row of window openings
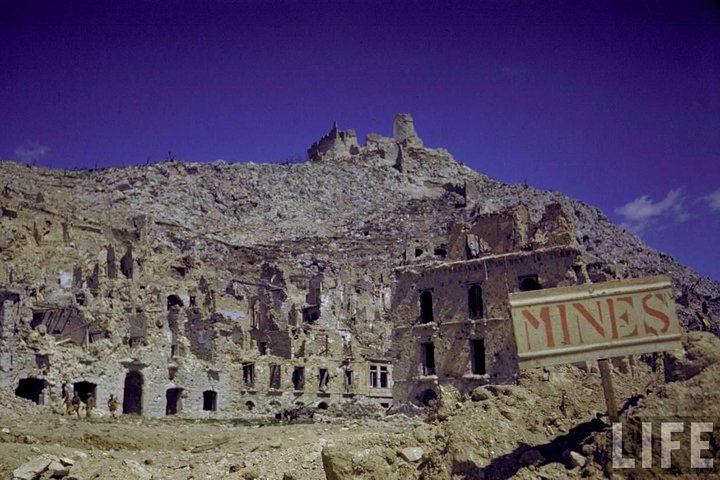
379	377
173	401
475	301
477	358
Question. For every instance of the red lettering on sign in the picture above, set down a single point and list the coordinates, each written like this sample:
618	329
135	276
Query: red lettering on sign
545	318
591	320
655	313
625	318
564	325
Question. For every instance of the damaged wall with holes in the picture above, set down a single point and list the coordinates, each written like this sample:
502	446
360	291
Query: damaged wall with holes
452	319
118	311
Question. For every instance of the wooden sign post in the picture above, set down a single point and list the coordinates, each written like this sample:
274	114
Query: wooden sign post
595	322
608	390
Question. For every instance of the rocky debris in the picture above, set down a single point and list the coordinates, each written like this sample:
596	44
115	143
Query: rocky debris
32	469
412	454
138	470
700	350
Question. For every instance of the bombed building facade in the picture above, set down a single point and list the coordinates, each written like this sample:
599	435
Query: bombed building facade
372	273
450	310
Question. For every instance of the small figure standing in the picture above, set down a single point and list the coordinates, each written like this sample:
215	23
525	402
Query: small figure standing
76	404
112	404
67	399
89	405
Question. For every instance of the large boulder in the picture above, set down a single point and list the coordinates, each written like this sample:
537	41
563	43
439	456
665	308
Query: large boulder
701	349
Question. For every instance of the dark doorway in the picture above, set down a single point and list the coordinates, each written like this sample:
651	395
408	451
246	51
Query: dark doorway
323	405
428	396
249	405
173	301
209	400
477	356
31	389
275	377
132	395
475	303
298	378
173	401
84	389
426	306
428	358
529	283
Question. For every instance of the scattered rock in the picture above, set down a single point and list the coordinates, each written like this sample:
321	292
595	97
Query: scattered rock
412	454
139	470
701	349
32	469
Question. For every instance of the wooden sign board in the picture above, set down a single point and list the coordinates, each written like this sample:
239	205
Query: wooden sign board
594	321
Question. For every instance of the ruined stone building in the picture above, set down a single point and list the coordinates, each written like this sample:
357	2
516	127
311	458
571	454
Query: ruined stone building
372	273
451	315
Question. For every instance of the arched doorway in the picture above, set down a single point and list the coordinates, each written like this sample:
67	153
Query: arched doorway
529	283
31	389
428	396
132	395
85	389
173	401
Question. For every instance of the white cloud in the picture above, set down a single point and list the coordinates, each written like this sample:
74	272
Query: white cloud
713	200
30	152
643	211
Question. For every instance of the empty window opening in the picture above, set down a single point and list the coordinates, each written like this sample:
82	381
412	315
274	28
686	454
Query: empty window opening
529	283
210	401
477	356
275	377
249	374
173	401
440	252
385	404
42	360
126	263
174	350
85	389
373	376
193	300
418	252
31	389
250	405
323	405
428	396
348	382
173	301
172	371
428	358
311	314
426	306
132	394
323	379
475	303
383	377
111	265
298	378
262	348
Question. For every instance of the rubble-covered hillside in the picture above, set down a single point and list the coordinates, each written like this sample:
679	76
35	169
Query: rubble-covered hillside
228	290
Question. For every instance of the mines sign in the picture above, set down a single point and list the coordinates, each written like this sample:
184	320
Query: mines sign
594	321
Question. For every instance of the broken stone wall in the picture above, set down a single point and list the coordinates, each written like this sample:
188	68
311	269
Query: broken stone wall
452	326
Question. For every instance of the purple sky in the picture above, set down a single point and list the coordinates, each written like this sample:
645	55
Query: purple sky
614	103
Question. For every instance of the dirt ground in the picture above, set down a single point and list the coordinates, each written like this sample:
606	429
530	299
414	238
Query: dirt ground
551	425
174	448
